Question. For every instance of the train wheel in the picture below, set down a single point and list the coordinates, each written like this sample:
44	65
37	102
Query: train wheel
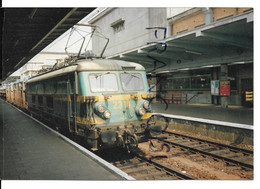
131	141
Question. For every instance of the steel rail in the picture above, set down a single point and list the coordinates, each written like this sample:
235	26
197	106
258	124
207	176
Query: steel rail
211	142
178	174
246	165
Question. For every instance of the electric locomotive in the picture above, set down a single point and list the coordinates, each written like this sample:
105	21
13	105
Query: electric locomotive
105	101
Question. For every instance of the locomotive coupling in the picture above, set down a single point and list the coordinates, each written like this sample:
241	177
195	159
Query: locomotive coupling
124	138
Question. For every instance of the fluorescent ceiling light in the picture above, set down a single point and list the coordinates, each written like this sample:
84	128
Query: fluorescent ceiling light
194	52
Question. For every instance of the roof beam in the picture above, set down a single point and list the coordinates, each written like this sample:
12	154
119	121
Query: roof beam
55	28
195	47
235	40
169	55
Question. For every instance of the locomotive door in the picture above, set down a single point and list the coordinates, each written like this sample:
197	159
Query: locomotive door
72	92
69	108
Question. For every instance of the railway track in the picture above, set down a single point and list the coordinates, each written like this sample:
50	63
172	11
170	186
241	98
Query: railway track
142	168
229	154
136	165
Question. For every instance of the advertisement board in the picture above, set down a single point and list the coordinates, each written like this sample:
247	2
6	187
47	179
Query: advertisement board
215	87
224	88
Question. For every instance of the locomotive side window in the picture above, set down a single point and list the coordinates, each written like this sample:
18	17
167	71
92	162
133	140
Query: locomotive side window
40	100
132	81
61	87
49	102
40	88
33	88
103	82
33	99
49	87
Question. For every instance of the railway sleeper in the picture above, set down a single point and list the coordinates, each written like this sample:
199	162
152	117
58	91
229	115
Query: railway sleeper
245	159
138	170
175	140
155	175
231	155
132	166
209	149
187	143
219	152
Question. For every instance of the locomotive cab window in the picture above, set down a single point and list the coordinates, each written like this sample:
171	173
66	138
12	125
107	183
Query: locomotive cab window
132	81
103	82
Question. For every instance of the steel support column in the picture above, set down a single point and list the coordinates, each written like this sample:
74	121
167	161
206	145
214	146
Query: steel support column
223	76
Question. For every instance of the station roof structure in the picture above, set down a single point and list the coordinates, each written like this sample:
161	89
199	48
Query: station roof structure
227	41
26	31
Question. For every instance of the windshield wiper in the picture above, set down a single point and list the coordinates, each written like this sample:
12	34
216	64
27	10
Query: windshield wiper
100	74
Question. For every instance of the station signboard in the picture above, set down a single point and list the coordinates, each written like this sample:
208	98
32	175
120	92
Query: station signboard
215	87
224	88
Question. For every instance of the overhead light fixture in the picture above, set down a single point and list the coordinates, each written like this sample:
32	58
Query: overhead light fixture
234	63
164	72
209	66
194	52
184	69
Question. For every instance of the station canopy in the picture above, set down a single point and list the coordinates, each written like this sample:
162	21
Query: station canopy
227	41
26	31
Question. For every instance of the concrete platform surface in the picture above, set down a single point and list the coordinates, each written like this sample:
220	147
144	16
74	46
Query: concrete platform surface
233	114
29	151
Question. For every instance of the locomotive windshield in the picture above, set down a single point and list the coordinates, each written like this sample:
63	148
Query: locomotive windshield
132	81
103	82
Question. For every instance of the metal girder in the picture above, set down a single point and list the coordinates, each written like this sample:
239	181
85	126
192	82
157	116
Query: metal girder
170	55
235	40
205	62
26	31
196	48
137	58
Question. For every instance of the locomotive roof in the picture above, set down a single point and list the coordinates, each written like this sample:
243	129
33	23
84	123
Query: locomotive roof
90	65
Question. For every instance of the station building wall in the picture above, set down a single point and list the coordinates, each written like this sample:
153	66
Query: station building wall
191	18
126	27
126	30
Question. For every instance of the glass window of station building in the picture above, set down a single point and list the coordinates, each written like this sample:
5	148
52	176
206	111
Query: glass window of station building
187	80
198	82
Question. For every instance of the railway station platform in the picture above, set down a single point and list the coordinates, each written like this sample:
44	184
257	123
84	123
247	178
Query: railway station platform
30	151
233	125
232	114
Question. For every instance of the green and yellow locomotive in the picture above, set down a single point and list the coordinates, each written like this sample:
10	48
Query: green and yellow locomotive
104	101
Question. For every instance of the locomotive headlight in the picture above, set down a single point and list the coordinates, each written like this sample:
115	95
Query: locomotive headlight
102	111
107	114
141	111
101	108
146	105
